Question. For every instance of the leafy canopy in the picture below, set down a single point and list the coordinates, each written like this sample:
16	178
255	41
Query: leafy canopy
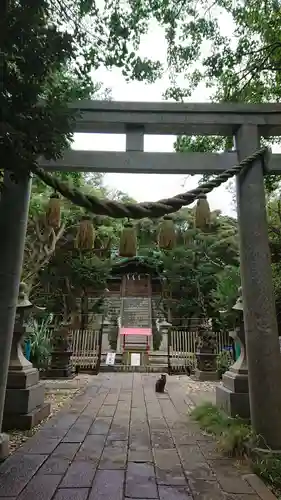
49	49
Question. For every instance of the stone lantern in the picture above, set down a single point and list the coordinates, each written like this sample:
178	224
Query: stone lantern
61	365
23	311
107	329
164	328
24	402
206	354
233	395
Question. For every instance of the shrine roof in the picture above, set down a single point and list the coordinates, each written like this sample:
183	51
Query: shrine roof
134	264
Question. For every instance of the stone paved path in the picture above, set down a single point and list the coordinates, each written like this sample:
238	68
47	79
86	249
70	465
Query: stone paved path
119	440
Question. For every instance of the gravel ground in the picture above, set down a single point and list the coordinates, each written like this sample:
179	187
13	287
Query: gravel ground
193	386
198	392
59	393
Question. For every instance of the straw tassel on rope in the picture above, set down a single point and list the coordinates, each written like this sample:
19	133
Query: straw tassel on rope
128	241
85	237
53	211
202	213
167	233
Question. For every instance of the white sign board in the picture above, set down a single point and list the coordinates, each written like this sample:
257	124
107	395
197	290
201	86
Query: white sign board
135	359
110	358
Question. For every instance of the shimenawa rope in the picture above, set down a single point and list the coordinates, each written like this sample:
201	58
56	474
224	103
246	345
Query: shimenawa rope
155	209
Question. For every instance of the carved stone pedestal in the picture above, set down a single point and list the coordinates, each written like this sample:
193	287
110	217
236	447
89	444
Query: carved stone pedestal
61	366
233	395
206	376
24	403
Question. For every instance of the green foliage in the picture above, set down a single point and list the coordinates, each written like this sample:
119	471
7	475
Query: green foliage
71	276
218	144
224	362
48	52
268	468
274	231
34	50
40	341
234	436
192	271
225	294
240	63
88	271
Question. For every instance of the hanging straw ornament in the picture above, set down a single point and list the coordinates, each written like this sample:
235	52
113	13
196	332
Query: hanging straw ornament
128	241
53	212
85	237
167	233
202	213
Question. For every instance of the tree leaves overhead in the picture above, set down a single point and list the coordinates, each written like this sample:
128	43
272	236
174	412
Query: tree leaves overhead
108	34
49	50
235	45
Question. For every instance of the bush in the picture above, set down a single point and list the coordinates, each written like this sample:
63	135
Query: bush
269	469
224	362
234	436
40	341
237	439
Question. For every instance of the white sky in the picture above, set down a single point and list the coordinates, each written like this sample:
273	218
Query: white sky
149	187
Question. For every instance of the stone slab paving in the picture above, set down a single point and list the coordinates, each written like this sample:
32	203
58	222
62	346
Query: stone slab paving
119	440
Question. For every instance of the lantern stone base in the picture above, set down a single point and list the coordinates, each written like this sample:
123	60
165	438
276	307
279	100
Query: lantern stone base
24	403
63	372
22	379
233	396
4	446
61	366
206	376
26	421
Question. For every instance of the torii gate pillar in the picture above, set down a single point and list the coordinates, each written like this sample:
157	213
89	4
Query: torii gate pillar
14	206
264	359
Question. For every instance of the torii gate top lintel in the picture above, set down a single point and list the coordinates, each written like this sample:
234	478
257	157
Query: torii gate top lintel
176	118
135	119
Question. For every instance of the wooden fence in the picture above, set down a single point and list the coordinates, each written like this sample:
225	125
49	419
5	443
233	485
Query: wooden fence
182	348
86	349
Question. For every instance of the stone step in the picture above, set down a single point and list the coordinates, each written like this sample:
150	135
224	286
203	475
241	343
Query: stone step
140	369
158	360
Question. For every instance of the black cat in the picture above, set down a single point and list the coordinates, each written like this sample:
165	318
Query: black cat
160	384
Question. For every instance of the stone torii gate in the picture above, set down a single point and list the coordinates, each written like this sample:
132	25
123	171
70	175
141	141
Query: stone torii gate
247	123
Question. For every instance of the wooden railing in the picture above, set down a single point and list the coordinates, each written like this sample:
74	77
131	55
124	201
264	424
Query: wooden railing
183	345
85	348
